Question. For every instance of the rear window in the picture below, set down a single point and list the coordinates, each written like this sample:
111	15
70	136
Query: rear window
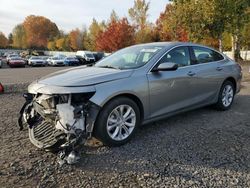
206	55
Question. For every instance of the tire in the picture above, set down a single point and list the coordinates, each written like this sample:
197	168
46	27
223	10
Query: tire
225	102
122	128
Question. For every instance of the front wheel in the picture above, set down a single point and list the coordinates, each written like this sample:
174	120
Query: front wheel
117	122
226	96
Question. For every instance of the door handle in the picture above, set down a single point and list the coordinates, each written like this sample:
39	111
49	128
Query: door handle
219	68
190	73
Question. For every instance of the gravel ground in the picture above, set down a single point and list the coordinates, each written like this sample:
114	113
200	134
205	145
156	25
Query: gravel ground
201	148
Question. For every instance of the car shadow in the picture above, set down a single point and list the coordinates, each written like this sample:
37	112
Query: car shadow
203	138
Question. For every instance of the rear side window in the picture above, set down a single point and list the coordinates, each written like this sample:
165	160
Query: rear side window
205	55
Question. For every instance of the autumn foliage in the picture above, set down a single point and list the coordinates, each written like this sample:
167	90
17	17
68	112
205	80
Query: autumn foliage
39	30
168	27
3	40
210	22
117	35
75	40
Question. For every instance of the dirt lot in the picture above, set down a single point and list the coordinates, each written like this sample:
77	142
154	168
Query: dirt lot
25	75
202	148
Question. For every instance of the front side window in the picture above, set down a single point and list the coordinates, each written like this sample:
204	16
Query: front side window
179	55
205	55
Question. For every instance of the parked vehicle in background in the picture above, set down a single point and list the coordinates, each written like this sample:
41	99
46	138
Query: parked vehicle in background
87	57
26	59
16	62
56	61
9	56
36	61
71	61
45	58
98	55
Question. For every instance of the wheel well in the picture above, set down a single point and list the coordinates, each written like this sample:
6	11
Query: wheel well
231	79
135	99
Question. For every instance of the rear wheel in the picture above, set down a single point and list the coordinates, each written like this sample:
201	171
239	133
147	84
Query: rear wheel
117	121
226	96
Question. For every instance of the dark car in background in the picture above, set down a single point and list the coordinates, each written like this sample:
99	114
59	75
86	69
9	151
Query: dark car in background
71	61
98	55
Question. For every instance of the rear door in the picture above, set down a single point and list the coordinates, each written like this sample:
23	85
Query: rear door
207	65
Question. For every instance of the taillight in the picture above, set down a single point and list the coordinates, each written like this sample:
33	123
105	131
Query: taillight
1	88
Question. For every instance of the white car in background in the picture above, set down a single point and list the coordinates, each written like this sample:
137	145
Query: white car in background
56	61
36	61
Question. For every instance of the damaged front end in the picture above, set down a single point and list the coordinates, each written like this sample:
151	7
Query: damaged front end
58	122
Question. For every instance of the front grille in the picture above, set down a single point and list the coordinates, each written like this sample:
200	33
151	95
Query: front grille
44	135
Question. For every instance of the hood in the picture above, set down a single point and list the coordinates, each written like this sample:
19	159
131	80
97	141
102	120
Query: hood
36	60
57	60
84	76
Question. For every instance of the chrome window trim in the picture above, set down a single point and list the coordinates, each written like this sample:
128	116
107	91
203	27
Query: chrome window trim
189	45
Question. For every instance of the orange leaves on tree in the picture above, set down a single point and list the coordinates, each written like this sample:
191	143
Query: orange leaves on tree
118	34
75	39
39	30
3	41
168	26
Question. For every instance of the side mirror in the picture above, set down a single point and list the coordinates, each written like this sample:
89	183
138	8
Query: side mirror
168	66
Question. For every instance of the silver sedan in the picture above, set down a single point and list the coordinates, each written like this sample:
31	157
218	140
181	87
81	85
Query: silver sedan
133	86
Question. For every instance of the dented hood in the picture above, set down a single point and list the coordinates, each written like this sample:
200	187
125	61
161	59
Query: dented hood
83	76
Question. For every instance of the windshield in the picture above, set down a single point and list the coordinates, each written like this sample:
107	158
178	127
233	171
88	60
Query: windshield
56	58
35	58
16	58
89	55
130	58
71	58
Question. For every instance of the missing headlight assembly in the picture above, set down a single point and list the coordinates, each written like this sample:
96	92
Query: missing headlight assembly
59	122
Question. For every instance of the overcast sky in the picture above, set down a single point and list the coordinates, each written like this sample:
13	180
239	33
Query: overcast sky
68	14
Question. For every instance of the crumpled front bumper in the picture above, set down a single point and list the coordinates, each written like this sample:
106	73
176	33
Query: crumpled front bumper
43	132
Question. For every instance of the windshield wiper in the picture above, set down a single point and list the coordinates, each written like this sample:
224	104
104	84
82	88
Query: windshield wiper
108	66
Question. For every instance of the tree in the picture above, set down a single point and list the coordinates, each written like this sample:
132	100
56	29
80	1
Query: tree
39	30
62	43
10	39
118	34
168	26
75	40
220	18
19	37
238	12
246	36
195	16
94	30
113	16
139	14
3	41
51	45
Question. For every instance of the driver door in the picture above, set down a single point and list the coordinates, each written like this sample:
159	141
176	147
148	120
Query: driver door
171	91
